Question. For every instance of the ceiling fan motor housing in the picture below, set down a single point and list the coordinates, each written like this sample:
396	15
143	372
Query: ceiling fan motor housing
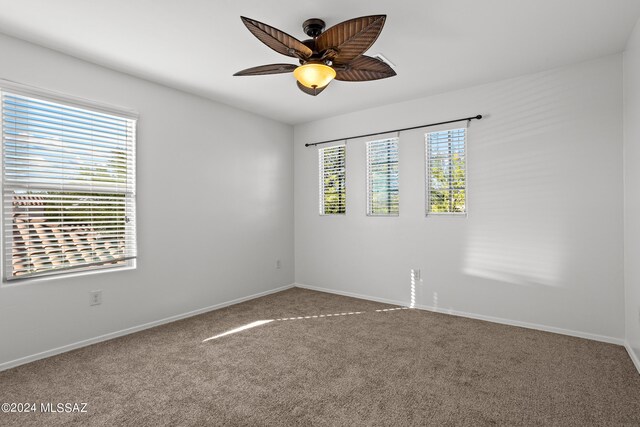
313	27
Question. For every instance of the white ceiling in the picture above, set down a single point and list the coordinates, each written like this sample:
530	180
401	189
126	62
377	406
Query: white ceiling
436	45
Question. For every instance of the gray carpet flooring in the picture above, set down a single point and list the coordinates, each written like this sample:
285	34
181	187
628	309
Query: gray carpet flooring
330	360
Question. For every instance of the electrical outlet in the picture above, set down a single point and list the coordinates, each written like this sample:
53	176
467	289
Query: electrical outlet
95	297
278	264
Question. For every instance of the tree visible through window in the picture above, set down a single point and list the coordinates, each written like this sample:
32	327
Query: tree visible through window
382	177
332	180
446	172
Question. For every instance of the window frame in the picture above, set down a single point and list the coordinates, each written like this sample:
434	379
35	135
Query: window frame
45	95
427	174
368	176
321	186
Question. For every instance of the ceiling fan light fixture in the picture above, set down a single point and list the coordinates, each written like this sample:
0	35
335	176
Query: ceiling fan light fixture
314	75
342	46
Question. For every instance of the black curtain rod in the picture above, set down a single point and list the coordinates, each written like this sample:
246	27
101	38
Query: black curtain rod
478	117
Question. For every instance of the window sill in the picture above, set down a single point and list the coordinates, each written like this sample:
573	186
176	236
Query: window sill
131	265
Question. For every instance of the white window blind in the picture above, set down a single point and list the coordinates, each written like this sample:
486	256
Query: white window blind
382	177
446	171
332	180
68	188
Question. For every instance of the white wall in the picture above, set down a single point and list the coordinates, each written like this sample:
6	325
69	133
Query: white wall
632	184
215	211
543	240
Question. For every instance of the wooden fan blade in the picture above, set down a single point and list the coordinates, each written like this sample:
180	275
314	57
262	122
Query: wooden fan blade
351	38
310	91
363	69
261	70
277	40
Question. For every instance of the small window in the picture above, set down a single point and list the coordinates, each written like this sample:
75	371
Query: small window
332	180
382	178
446	172
68	188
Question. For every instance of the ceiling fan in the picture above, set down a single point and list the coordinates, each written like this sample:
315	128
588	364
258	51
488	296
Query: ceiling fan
334	53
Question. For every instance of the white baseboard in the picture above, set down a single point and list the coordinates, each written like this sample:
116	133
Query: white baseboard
112	335
586	335
633	356
27	359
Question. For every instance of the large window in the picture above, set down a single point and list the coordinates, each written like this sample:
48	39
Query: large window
333	194
446	172
382	177
68	187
